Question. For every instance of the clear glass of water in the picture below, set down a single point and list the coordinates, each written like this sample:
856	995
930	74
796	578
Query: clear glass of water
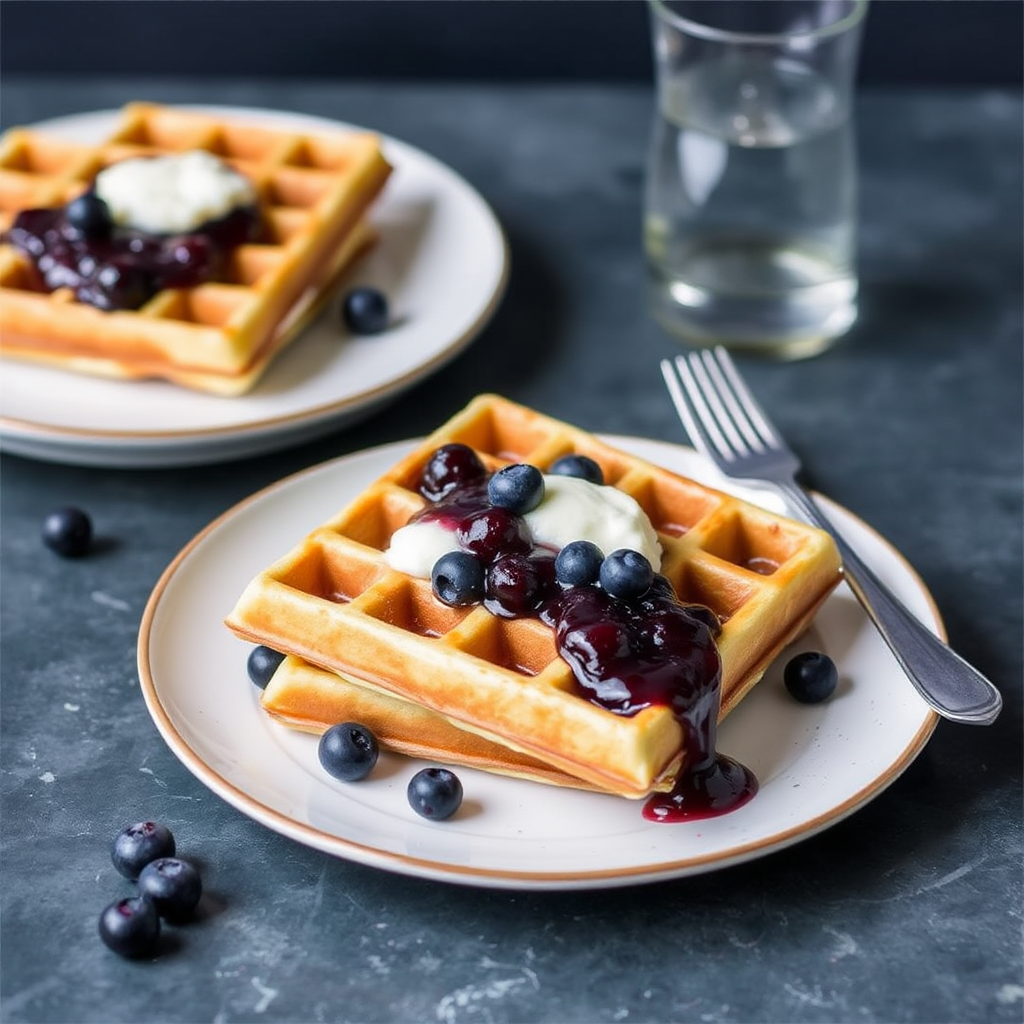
751	195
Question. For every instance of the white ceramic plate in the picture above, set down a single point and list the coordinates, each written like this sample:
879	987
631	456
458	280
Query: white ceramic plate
816	764
441	259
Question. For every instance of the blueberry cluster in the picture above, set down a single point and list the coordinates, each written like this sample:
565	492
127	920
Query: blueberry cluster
497	562
77	246
169	889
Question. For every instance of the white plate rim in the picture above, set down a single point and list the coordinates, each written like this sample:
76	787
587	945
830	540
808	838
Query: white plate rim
21	429
491	877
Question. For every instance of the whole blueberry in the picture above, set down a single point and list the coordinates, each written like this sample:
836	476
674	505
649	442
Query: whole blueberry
137	845
173	885
348	751
457	579
811	677
450	466
262	664
435	793
365	311
518	488
68	531
88	215
626	574
130	927
492	532
581	466
578	563
517	584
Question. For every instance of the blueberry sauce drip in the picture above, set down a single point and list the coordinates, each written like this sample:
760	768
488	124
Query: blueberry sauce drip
113	268
626	655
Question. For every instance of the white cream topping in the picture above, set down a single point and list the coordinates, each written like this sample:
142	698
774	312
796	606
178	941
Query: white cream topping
172	194
572	509
575	509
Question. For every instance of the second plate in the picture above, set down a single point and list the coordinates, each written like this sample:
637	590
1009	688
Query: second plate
441	259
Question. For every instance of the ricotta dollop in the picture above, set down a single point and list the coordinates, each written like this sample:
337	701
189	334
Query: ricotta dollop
172	194
572	509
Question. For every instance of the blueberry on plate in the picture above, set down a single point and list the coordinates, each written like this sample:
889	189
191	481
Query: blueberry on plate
435	793
130	927
457	579
68	531
578	563
811	677
89	215
581	466
136	845
626	574
173	885
261	665
518	488
348	751
365	311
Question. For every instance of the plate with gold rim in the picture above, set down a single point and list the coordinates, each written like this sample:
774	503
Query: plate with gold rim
816	764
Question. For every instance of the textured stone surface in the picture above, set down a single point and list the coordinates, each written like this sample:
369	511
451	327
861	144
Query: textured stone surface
908	911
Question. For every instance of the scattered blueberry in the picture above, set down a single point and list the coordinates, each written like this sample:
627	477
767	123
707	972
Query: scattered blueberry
435	793
811	677
130	927
348	751
457	579
173	885
578	563
450	466
262	664
89	215
493	531
519	488
137	845
581	466
365	311
68	531
626	574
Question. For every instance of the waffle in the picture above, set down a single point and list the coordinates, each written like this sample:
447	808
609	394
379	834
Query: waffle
310	699
334	602
314	191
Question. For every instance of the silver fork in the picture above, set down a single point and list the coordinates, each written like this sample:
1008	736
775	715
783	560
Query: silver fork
725	423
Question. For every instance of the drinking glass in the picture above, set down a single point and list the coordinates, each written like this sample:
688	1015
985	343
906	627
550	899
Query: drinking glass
750	203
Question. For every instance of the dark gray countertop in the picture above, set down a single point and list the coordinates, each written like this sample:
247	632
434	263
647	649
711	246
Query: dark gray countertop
907	911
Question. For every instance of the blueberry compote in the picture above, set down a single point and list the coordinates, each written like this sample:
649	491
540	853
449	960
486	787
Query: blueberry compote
626	654
112	267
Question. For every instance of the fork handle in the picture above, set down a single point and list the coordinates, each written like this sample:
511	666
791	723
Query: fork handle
950	685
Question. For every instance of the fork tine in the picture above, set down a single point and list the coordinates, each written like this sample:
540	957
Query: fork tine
718	397
754	413
695	418
725	390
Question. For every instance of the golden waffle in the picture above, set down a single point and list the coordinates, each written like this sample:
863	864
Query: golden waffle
314	190
312	700
334	602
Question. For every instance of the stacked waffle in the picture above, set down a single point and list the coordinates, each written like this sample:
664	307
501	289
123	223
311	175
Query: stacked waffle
465	686
313	190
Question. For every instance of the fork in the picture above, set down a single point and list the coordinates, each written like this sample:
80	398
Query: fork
725	422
